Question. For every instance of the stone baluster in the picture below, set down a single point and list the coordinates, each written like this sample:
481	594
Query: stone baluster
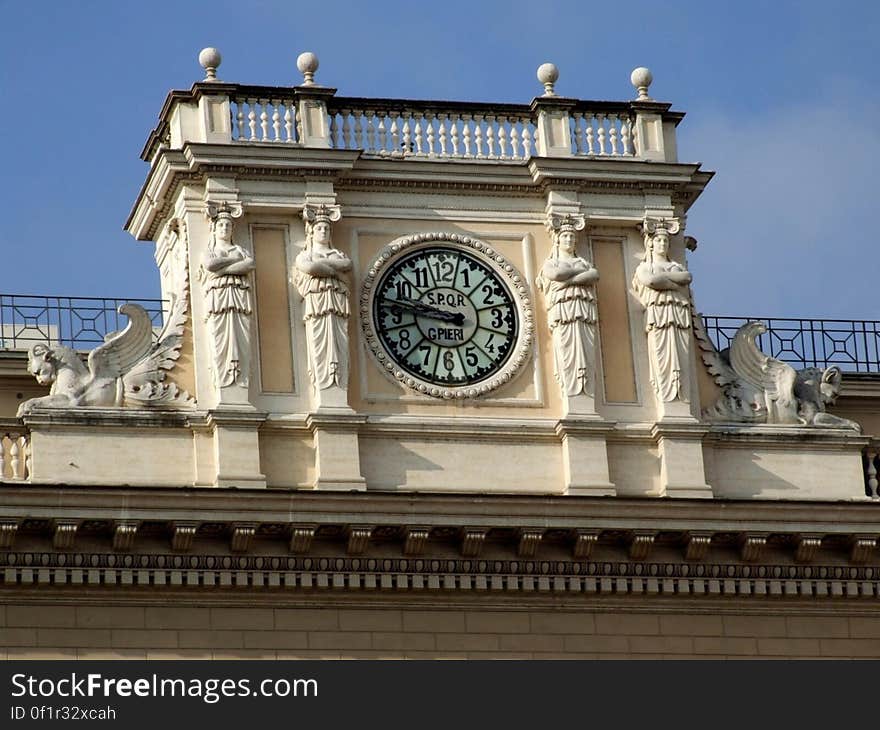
3	455
526	138
626	135
252	120
612	132
429	124
395	132
490	136
371	132
441	123
288	123
334	132
357	119
418	133
406	144
239	120
600	129
276	119
871	472
383	134
502	137
513	137
346	129
453	132
578	132
478	135
15	457
264	120
466	134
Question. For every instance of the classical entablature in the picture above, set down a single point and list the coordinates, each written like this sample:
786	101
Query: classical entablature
422	346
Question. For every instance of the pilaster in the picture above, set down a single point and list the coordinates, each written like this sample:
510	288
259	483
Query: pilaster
236	447
682	471
585	456
337	450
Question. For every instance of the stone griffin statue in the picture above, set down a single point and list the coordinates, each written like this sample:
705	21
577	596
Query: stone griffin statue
128	370
758	388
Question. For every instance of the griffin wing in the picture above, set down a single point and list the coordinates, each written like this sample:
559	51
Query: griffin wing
145	381
775	378
122	351
715	362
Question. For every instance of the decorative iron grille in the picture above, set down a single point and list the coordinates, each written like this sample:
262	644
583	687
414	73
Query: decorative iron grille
78	322
852	345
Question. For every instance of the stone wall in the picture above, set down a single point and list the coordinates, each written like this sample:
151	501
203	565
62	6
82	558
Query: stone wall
100	630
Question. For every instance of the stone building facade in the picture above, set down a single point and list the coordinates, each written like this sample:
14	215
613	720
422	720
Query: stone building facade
430	382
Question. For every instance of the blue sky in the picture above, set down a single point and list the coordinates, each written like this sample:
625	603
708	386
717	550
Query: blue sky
780	99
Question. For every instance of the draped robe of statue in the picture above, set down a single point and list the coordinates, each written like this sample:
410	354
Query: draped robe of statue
571	315
229	312
668	326
326	310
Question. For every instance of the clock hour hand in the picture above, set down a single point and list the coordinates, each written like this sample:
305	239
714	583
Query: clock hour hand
425	310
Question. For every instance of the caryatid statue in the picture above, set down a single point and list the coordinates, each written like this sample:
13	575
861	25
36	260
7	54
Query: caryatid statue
662	287
318	276
567	282
226	270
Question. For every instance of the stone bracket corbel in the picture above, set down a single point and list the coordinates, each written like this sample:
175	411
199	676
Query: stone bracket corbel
862	548
697	545
415	540
359	539
640	545
182	536
301	537
64	535
124	534
472	539
584	543
529	541
242	535
8	530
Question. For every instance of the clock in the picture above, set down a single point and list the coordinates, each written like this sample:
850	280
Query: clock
446	315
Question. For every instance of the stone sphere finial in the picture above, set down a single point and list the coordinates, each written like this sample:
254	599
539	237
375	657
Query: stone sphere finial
547	75
307	63
209	59
641	78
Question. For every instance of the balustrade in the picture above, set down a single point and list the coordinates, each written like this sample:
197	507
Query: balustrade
15	454
263	119
403	129
608	134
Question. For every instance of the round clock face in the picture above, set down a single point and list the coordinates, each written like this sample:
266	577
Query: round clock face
446	315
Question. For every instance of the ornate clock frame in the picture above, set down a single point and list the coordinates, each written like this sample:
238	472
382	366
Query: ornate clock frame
486	254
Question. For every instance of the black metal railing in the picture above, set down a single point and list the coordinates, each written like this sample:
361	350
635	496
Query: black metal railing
77	322
852	345
83	322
